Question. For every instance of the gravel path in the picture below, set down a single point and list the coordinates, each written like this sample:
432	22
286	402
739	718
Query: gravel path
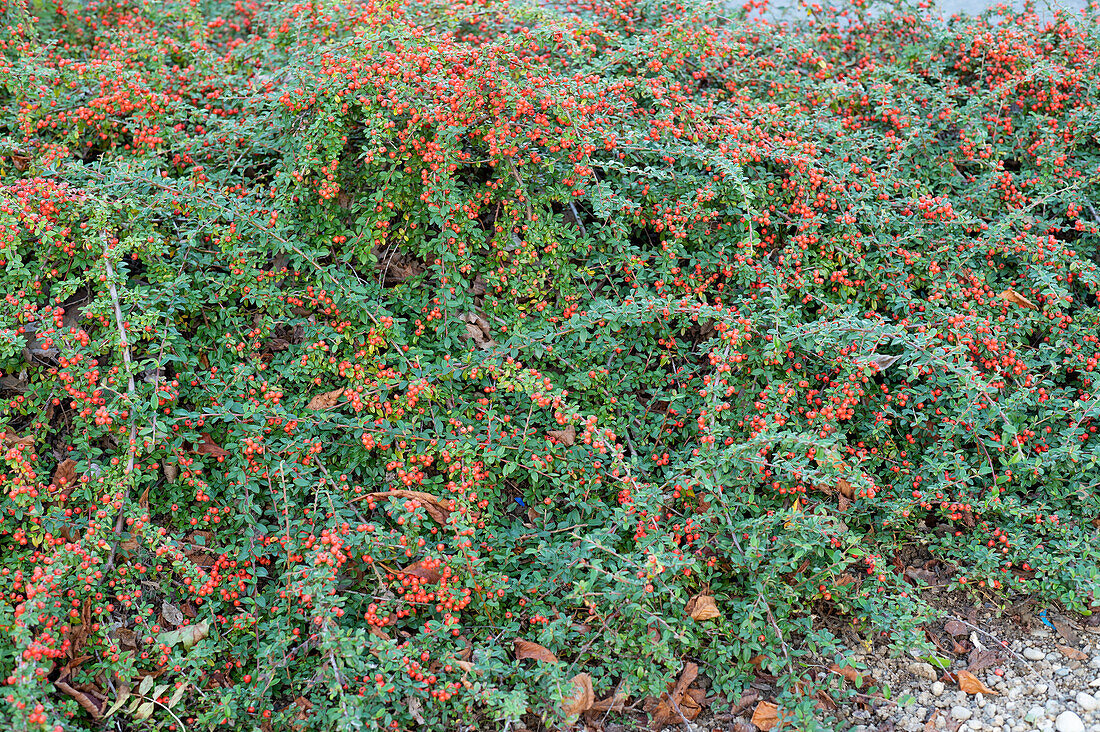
1043	684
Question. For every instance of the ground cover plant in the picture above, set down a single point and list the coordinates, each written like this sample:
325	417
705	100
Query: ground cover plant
456	364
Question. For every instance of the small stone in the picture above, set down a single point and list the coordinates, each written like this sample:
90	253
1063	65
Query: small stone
975	724
938	688
1039	689
923	671
962	713
980	698
1033	714
1087	701
1032	653
1095	683
1069	722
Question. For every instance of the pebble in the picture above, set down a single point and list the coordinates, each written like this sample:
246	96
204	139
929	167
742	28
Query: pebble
963	713
1069	722
1032	653
938	688
923	671
1033	714
1095	683
1087	701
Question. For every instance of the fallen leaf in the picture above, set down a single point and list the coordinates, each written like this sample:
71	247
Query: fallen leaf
857	678
64	477
1072	653
171	471
188	635
477	329
1016	298
845	488
432	505
580	697
614	703
90	700
882	362
930	725
702	607
328	400
663	709
955	627
566	436
971	684
527	649
766	715
981	660
425	570
209	447
1069	635
172	614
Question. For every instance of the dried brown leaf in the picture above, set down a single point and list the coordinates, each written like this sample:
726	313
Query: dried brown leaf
1069	635
981	660
527	649
1016	298
1072	653
954	627
432	505
90	700
64	477
702	607
614	703
209	447
328	400
766	715
566	436
854	676
580	697
426	570
971	684
172	615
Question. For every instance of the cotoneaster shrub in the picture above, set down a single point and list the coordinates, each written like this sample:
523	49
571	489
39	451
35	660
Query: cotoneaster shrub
345	344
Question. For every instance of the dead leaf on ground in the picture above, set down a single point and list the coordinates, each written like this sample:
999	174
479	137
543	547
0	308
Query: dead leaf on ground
477	329
614	703
580	697
187	636
971	684
64	477
664	709
702	607
209	447
930	725
766	715
854	676
981	660
1069	635
426	570
527	649
9	440
328	400
172	615
955	627
89	698
432	505
1072	653
566	436
1016	298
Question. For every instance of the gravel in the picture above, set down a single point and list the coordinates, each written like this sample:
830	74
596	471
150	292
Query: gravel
1042	682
